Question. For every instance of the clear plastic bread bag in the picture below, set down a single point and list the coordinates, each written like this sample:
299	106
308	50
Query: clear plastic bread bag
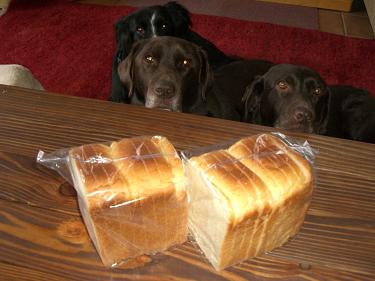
248	196
131	194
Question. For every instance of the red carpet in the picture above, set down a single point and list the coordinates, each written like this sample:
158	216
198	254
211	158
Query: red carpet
69	46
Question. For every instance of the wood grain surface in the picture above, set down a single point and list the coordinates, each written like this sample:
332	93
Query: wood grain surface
42	236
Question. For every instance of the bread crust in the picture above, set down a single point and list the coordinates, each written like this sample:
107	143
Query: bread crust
266	189
132	196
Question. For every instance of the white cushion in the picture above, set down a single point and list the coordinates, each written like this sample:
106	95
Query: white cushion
18	75
4	6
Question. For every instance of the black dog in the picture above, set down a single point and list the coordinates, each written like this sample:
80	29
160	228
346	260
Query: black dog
169	73
351	114
170	19
288	96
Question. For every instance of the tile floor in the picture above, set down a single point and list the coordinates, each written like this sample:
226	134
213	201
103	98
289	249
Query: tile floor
353	24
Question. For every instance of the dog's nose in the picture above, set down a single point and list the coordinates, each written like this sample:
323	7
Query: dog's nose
165	91
302	114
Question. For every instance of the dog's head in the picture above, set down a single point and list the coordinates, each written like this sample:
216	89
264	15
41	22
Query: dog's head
166	72
288	96
171	19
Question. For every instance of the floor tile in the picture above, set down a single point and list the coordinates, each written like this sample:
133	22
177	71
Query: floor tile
331	21
357	26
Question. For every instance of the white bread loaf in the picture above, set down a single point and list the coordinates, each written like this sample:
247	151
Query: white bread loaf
132	196
248	199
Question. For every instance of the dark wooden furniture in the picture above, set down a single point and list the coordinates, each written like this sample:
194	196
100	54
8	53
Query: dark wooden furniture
42	236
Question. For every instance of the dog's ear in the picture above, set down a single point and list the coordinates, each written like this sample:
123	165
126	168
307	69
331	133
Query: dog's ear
322	113
180	17
251	100
124	39
126	68
205	74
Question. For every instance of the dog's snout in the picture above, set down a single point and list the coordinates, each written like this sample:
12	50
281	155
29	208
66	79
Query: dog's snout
165	90
302	114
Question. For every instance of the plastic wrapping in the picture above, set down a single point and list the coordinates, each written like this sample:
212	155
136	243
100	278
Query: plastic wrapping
131	194
247	197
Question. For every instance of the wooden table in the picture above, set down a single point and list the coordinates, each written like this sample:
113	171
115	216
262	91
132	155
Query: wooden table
42	236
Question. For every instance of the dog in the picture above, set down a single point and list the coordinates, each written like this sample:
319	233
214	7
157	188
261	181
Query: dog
231	80
171	19
295	97
290	97
351	114
170	73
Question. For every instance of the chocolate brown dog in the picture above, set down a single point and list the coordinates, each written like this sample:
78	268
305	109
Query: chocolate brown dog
291	97
296	98
169	73
170	19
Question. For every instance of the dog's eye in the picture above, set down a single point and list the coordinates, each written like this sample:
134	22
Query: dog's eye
140	29
317	92
164	26
186	62
149	59
282	85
